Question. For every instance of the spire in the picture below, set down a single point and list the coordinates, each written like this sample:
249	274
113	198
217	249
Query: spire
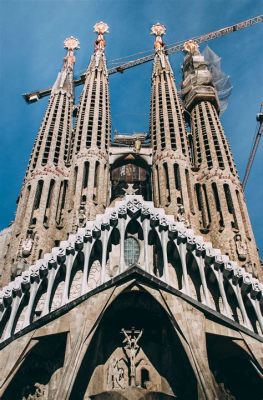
93	123
92	133
200	98
222	209
64	80
52	143
39	218
166	124
171	163
159	30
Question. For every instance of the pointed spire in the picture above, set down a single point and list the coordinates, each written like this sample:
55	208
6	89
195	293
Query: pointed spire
169	138
92	134
93	124
65	76
167	124
160	59
52	142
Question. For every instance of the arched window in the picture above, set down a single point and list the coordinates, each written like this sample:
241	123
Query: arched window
131	251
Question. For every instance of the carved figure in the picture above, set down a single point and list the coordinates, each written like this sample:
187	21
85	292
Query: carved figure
27	244
241	248
181	215
116	377
132	348
82	217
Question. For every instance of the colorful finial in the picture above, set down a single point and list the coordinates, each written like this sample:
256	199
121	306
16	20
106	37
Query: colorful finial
70	44
158	30
191	47
101	28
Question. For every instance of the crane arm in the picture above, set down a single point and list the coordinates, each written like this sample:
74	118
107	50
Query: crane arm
36	95
256	141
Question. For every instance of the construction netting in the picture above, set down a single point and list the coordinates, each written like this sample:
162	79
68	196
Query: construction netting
221	81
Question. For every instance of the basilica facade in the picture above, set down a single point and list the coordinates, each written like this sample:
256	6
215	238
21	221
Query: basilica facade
131	270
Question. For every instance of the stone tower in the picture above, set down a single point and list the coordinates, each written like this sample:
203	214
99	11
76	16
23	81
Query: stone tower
222	211
39	218
136	299
89	171
171	162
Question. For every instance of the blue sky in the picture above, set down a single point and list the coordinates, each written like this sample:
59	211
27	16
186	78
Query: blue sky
32	34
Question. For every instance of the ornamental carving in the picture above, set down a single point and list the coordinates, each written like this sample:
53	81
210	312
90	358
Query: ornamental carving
56	171
39	394
241	247
82	218
117	374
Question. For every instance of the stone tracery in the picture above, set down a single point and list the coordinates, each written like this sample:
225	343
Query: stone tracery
246	290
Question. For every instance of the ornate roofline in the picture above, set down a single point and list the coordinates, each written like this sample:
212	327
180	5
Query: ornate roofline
29	286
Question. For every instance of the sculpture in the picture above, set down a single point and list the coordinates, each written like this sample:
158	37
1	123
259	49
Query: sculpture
241	248
131	349
27	244
116	375
82	219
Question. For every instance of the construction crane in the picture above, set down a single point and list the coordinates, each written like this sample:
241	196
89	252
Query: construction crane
258	134
38	94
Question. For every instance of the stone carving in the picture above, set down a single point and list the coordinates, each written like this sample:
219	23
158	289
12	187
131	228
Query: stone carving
130	189
158	30
39	393
27	244
116	374
82	219
131	349
241	247
251	268
181	215
191	47
136	208
100	28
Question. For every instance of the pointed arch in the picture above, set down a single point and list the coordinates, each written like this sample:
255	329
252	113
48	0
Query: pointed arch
213	289
57	288
76	276
38	368
161	351
175	261
157	251
19	319
94	268
232	301
233	368
39	300
195	283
